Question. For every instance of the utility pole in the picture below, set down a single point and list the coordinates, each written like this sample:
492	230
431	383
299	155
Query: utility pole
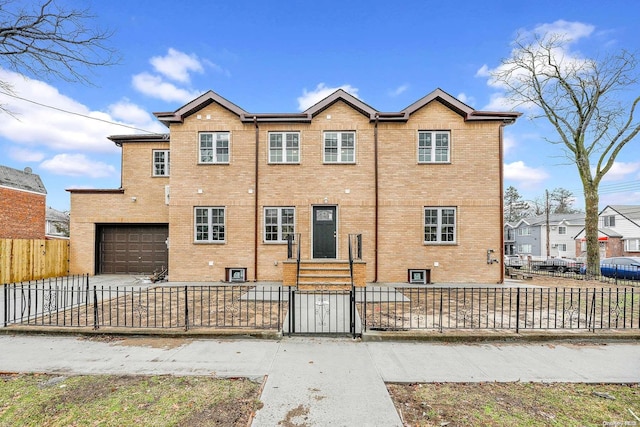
547	209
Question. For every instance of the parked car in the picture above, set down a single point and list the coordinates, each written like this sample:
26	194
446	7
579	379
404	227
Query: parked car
620	267
560	265
513	261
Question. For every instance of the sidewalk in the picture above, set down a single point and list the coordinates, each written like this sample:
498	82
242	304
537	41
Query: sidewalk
327	381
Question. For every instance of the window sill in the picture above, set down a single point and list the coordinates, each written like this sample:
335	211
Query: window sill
439	243
200	242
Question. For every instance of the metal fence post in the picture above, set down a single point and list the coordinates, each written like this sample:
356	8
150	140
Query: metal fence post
186	309
440	314
95	306
518	310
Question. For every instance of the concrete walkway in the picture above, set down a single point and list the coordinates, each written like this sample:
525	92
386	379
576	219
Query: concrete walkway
326	381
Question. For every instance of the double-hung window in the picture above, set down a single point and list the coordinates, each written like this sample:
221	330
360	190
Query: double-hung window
609	221
279	223
160	162
284	147
209	225
214	147
632	245
562	229
434	147
439	225
339	147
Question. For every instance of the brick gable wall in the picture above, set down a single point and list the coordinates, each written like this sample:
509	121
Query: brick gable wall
22	214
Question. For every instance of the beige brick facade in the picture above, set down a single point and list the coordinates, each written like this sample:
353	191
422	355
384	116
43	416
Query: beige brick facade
470	182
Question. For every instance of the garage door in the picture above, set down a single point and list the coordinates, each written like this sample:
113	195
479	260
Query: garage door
132	248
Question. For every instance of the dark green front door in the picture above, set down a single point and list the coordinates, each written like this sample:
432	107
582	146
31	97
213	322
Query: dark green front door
324	232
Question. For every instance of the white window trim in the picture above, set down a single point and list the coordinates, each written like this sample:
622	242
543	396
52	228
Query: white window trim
167	163
439	226
433	147
525	248
215	153
209	224
635	248
284	148
281	239
562	230
339	160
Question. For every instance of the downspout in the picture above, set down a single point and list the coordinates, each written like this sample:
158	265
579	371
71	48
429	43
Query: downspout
501	160
255	202
375	178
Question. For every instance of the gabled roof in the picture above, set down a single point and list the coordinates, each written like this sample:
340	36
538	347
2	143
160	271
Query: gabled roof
468	113
56	215
630	212
21	180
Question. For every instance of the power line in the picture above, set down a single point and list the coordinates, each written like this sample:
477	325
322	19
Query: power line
75	114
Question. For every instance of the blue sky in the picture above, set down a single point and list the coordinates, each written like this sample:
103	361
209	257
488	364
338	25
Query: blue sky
283	56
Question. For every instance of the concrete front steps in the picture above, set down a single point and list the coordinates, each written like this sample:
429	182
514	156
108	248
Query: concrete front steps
323	274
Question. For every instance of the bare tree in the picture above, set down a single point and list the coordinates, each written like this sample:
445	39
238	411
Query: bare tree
584	100
44	39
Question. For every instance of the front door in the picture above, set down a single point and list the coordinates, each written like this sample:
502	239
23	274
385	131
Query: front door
324	232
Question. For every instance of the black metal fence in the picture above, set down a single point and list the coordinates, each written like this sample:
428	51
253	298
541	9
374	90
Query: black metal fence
186	307
72	302
501	308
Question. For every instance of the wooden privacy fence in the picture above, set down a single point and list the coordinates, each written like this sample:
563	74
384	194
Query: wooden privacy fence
22	260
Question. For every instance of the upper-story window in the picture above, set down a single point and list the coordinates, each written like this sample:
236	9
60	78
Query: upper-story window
160	162
284	147
339	147
439	225
562	229
609	221
434	147
214	147
524	231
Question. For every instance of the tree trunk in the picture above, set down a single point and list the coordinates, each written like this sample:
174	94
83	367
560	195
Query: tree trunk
592	199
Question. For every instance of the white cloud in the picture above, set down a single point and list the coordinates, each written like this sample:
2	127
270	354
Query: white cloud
469	100
508	144
570	31
77	165
310	98
399	90
156	87
26	155
526	176
177	65
621	171
573	31
62	126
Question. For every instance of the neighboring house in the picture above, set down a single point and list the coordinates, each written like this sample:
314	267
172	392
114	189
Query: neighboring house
22	204
528	237
618	232
57	223
225	187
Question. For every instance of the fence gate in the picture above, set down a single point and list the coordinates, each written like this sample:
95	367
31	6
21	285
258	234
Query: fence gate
323	312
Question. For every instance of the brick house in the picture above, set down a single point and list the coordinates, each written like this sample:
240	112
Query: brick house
22	204
618	232
225	187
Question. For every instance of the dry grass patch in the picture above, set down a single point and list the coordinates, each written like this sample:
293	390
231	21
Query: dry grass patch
516	404
116	400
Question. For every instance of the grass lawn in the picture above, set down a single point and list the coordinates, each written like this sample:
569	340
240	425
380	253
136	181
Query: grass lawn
116	400
517	404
